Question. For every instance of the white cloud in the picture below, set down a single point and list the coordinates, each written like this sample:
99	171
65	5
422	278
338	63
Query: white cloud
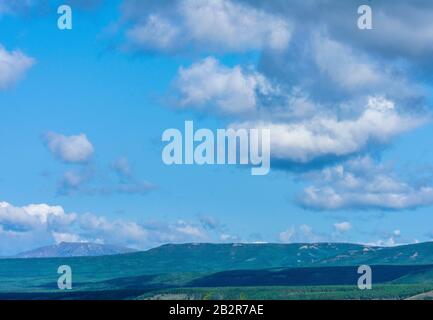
326	135
60	237
190	230
343	66
210	85
361	184
49	214
73	149
328	98
342	227
155	34
127	233
24	228
13	66
234	25
218	25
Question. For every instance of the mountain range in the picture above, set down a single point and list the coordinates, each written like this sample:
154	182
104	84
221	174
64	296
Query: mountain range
74	249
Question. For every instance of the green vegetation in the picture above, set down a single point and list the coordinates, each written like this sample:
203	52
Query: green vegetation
228	271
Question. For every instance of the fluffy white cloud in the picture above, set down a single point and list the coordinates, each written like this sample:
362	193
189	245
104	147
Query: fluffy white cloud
218	25
326	135
13	66
73	149
361	184
23	228
49	214
60	237
33	216
210	85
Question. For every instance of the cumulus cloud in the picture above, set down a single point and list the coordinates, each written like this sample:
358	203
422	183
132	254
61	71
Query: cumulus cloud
363	184
60	237
13	66
208	85
218	25
323	96
72	149
26	227
327	135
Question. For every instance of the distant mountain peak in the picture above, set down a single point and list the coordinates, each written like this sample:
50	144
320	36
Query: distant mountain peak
74	249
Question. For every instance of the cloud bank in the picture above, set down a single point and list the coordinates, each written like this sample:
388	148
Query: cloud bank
26	227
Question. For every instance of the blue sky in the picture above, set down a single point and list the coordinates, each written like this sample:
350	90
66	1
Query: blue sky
83	111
